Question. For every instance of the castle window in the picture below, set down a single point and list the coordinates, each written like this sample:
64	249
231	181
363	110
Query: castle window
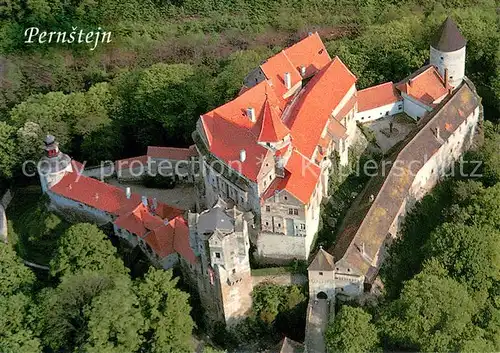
321	273
387	113
217	255
286	198
348	270
268	208
267	223
279	225
290	211
296	212
270	177
442	58
234	270
302	226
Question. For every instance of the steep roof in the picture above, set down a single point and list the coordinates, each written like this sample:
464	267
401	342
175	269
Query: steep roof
95	193
289	346
313	107
310	52
365	229
323	261
214	219
269	127
448	37
275	67
377	96
229	130
425	85
300	180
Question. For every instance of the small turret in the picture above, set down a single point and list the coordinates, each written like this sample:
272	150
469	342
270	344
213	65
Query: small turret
447	52
53	165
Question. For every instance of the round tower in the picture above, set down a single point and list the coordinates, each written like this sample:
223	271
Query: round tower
448	53
53	165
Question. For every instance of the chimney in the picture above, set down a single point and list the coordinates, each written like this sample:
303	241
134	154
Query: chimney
251	114
155	204
303	70
128	193
445	77
437	132
243	155
145	201
288	80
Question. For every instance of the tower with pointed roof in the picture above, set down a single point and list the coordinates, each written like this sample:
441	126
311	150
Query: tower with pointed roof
219	236
321	274
447	52
53	165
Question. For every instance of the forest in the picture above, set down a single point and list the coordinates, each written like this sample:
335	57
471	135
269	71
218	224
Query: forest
170	61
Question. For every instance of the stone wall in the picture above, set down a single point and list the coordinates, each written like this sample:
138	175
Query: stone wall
285	279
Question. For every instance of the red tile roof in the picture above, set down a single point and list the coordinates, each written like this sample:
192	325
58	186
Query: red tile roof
377	96
233	131
309	52
315	104
269	127
95	193
301	178
427	86
171	237
173	153
275	67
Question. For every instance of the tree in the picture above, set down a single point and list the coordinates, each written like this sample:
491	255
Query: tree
8	154
166	309
471	254
352	331
16	283
92	312
84	247
30	137
14	276
433	314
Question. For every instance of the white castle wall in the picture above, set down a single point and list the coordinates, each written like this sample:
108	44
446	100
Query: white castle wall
380	112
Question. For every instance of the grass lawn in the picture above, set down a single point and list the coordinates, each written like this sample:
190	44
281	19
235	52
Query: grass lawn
32	229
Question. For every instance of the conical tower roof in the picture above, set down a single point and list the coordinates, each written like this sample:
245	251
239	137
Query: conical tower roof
448	38
270	127
323	261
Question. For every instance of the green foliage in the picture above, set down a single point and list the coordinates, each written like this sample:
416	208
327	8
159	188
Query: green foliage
166	310
8	155
269	300
33	230
84	247
14	276
93	312
433	314
352	331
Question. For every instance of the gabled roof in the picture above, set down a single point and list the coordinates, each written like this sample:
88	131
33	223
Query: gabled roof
269	127
315	104
289	346
173	153
323	261
448	37
95	193
377	96
300	180
366	227
275	67
214	219
310	52
229	130
425	85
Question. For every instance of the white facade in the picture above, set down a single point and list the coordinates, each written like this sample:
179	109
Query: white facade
80	210
413	107
379	112
453	61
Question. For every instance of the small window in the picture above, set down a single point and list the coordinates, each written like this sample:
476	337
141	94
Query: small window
321	51
321	273
369	116
268	208
387	113
267	223
442	58
362	118
400	106
290	211
265	183
270	177
234	271
302	226
279	225
348	270
296	212
217	255
286	197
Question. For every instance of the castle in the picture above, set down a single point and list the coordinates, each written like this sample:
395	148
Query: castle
263	165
